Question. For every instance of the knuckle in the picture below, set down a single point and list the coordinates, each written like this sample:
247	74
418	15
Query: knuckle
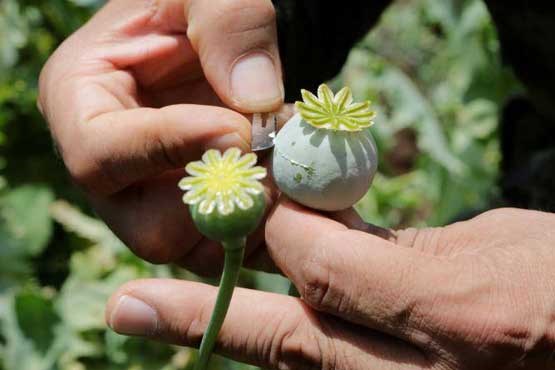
81	169
46	70
165	152
89	165
230	17
316	281
506	332
91	171
51	76
322	286
512	332
248	11
518	336
299	347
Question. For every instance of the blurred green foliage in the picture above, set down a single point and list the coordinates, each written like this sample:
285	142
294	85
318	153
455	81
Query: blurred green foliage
431	67
434	71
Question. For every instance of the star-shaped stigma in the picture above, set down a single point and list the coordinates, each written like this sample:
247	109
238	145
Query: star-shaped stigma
222	182
335	112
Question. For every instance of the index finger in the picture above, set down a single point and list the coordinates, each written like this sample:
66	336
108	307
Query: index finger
266	329
108	141
358	276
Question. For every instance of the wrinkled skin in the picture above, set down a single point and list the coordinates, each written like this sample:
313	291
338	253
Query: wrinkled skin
478	294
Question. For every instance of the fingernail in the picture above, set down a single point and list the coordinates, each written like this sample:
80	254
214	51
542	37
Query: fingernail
227	141
132	316
255	84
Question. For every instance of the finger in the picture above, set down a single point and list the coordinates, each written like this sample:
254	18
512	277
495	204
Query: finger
237	45
260	259
108	142
167	233
269	330
357	276
114	150
150	218
236	42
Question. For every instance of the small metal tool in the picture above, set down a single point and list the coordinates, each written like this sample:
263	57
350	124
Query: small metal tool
263	131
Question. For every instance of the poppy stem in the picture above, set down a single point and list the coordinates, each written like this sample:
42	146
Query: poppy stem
234	253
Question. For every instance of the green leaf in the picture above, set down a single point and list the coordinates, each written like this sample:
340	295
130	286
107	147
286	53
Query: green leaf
84	226
25	347
25	217
36	318
413	108
14	31
82	302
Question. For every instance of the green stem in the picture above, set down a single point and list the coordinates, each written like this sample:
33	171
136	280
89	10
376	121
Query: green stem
234	252
293	292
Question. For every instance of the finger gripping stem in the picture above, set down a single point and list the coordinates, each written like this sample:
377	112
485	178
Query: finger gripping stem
234	253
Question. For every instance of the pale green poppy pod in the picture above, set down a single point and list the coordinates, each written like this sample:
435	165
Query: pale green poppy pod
329	167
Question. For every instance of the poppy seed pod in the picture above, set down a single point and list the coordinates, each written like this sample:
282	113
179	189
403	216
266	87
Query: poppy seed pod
325	157
226	202
225	197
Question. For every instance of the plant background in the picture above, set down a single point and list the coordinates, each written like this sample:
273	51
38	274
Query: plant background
433	70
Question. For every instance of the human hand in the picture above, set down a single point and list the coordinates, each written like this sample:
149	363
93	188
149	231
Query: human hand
478	294
139	91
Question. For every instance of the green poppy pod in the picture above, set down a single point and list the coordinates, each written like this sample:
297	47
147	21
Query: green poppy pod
325	157
225	198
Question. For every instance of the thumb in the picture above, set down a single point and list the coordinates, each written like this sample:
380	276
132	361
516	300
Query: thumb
237	45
